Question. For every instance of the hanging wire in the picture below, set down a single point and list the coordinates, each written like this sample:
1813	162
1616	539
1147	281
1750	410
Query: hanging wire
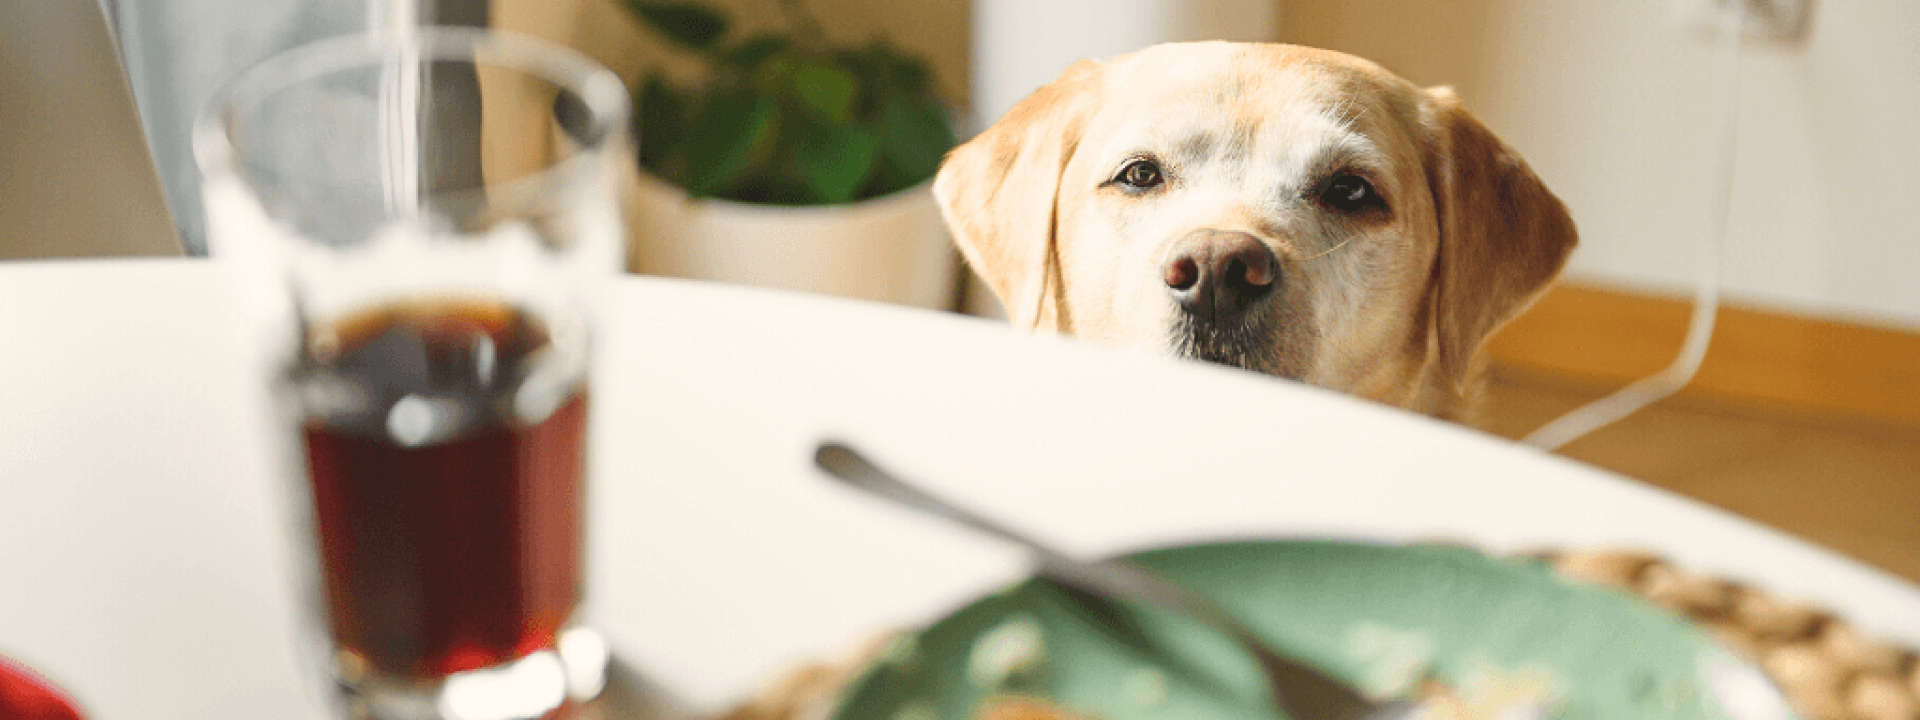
1706	300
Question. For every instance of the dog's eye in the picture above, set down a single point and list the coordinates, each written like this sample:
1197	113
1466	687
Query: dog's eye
1141	175
1350	193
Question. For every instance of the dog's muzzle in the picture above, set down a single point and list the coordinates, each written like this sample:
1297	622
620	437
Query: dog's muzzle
1217	279
1214	276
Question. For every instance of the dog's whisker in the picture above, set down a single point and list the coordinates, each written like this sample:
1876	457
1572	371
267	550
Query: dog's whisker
1329	251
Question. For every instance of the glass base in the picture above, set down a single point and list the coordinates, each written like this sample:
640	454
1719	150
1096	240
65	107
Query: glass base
578	680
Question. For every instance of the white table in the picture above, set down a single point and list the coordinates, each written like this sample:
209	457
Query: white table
143	564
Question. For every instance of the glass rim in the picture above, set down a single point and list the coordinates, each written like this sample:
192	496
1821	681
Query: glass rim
599	89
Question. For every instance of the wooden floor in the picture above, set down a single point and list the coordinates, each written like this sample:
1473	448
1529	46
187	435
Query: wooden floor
1853	487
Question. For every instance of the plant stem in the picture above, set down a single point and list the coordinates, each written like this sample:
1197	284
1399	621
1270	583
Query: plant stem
812	34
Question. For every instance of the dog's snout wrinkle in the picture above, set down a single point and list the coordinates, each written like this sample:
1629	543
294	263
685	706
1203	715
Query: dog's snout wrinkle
1216	275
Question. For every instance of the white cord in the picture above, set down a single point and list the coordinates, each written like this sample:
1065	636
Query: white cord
1706	299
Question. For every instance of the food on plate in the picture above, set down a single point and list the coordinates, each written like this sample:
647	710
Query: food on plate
1021	708
1470	635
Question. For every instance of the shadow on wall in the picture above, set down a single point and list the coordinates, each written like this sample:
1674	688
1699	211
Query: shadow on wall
75	176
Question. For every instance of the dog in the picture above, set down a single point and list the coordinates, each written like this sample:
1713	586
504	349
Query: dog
1282	209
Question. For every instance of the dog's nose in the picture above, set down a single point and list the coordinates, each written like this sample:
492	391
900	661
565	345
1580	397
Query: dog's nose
1216	274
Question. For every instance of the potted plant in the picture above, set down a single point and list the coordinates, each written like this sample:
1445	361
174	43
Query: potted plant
794	163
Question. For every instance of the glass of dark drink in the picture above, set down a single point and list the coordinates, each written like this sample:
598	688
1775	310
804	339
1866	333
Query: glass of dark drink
419	223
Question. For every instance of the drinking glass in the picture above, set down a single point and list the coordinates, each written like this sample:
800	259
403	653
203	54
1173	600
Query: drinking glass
420	222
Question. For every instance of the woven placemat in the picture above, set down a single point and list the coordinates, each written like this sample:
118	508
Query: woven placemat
1828	668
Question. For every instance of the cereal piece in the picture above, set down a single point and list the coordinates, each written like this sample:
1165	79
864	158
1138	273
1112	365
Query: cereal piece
1809	678
810	691
789	695
1873	696
1686	592
1771	618
1525	694
1017	708
1011	648
1853	648
1617	568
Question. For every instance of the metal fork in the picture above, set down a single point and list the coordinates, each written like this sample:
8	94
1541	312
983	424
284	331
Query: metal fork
1297	689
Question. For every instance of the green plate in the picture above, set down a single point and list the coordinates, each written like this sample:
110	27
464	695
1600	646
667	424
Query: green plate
1385	618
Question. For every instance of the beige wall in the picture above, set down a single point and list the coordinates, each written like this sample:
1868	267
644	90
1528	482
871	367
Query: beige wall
1614	103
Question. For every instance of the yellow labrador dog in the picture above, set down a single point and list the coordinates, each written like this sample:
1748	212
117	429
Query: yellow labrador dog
1282	209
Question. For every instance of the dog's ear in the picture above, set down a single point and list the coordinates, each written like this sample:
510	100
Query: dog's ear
999	191
1503	235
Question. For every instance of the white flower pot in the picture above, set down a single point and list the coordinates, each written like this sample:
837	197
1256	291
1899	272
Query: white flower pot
890	249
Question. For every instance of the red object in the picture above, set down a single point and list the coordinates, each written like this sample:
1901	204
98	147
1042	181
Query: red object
27	696
454	554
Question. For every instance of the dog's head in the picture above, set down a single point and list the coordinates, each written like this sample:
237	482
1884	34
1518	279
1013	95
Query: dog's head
1287	210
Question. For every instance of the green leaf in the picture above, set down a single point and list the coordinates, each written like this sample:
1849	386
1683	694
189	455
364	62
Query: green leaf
907	74
725	137
781	120
916	137
827	90
748	55
691	25
773	75
663	118
880	65
834	161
